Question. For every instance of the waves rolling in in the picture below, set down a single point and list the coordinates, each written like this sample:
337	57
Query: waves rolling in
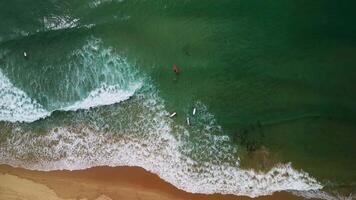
136	132
96	88
141	134
92	77
15	105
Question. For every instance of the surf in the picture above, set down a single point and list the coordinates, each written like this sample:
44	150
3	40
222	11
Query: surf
111	80
16	106
135	132
138	132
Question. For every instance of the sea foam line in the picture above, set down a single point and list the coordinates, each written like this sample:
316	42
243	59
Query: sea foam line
89	149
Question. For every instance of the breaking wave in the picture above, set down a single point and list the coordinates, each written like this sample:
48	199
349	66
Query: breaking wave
138	132
110	78
15	105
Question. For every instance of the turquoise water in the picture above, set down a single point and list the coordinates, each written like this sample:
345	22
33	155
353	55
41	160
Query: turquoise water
97	86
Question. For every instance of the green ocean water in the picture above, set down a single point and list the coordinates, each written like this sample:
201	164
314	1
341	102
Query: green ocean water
273	76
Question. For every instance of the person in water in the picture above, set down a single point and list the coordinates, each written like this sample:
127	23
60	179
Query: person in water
176	69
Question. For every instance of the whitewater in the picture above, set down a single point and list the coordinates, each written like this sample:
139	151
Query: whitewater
137	132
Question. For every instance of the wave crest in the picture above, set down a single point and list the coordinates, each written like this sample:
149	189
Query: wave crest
16	105
92	77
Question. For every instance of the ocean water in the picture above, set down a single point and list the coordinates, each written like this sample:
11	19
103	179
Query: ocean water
272	82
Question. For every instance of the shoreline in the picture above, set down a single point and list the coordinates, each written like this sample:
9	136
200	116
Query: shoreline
101	183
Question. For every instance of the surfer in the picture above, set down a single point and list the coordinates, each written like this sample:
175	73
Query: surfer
176	69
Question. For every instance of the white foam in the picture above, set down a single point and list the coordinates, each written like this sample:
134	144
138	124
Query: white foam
16	105
200	160
149	143
97	3
59	22
105	95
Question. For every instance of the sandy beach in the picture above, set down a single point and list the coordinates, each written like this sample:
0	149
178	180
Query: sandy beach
99	183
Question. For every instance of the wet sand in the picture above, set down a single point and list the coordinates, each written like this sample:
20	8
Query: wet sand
100	183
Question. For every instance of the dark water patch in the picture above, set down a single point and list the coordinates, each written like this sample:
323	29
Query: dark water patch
322	147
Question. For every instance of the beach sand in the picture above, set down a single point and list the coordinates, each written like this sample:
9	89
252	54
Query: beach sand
99	183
